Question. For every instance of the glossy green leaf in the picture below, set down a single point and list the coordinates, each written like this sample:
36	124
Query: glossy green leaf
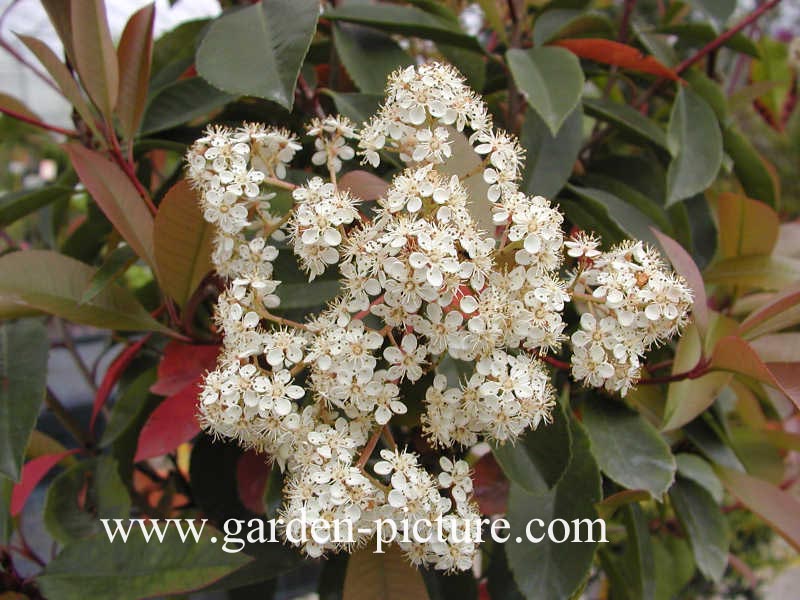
82	495
704	524
628	218
719	10
674	566
95	57
273	35
368	55
182	101
691	466
538	460
627	118
695	142
356	107
23	375
40	280
551	81
547	569
569	23
307	295
628	449
549	159
712	443
117	197
183	241
405	20
113	267
757	178
134	56
102	570
15	205
129	406
636	566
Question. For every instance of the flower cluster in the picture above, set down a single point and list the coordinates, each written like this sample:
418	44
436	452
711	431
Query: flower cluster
425	294
633	301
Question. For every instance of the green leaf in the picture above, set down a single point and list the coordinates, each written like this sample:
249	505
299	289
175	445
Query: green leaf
632	574
23	375
40	280
704	524
95	57
15	205
626	118
688	398
117	198
757	178
183	242
628	218
82	495
704	434
675	566
368	55
551	81
550	158
628	449
471	64
405	20
113	267
102	570
693	467
307	295
567	23
695	142
134	56
779	508
356	107
258	50
129	406
539	459
719	10
387	576
700	34
182	101
547	569
710	91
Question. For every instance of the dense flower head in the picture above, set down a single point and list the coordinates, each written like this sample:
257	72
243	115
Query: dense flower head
425	293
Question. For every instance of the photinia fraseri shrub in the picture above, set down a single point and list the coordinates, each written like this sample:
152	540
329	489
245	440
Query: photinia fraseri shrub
400	262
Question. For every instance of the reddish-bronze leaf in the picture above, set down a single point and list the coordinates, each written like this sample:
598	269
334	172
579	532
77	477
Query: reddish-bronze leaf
94	53
616	53
32	473
114	372
252	472
490	486
172	423
134	55
181	365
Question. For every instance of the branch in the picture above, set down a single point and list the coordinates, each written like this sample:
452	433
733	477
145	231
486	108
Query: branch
37	123
700	369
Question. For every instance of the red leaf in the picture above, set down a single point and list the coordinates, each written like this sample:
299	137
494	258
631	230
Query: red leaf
32	473
114	372
181	365
251	478
173	422
734	354
684	264
490	486
615	53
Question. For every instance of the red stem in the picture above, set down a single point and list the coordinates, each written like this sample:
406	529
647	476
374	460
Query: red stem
724	37
37	123
558	364
700	369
